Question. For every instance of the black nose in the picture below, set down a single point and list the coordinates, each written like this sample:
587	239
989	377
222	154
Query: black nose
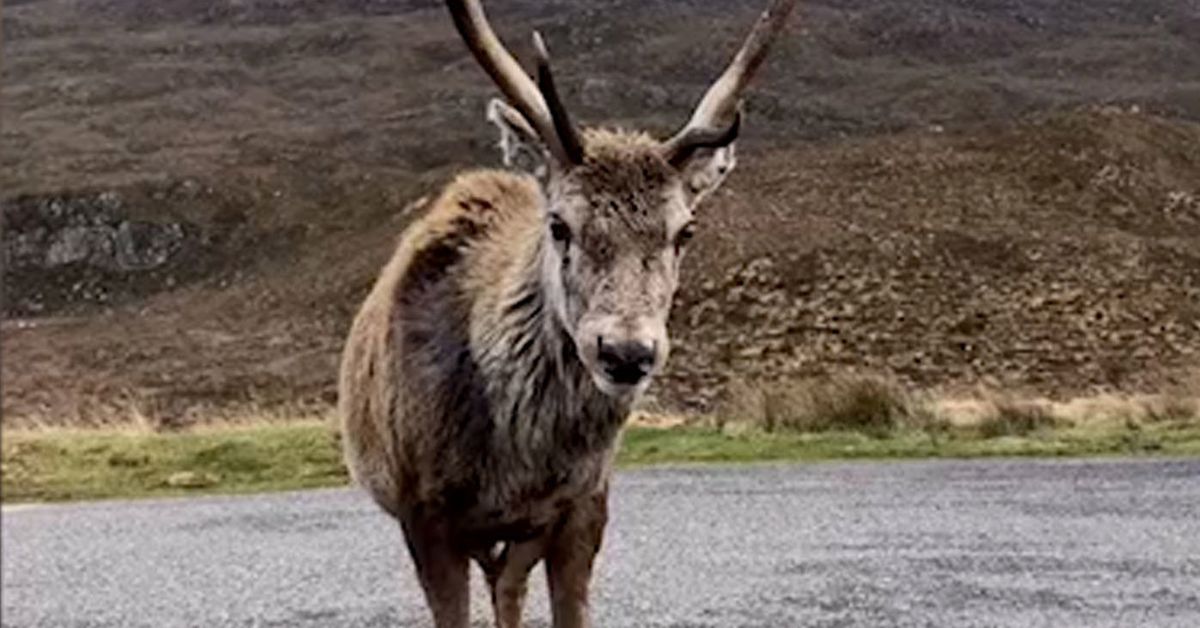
626	362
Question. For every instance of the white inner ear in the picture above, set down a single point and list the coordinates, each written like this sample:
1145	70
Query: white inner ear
707	174
519	144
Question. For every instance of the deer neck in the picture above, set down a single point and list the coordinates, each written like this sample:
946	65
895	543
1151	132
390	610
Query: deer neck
546	397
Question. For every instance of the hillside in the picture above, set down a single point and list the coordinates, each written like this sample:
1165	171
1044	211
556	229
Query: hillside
197	195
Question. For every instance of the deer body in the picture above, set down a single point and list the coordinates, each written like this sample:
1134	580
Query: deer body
489	371
493	409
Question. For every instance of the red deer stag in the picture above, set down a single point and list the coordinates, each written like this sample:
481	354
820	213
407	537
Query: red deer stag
489	372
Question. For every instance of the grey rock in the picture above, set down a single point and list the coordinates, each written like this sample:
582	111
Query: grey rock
142	246
79	244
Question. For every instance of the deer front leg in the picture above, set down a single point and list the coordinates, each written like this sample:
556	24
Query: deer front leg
507	578
569	558
441	567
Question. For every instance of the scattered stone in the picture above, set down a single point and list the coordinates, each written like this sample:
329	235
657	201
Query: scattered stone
192	479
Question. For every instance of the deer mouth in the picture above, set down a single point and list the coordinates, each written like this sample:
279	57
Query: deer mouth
621	385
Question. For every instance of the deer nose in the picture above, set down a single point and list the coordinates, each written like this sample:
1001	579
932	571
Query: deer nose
627	362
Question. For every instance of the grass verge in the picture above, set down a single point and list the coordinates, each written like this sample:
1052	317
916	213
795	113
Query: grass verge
61	465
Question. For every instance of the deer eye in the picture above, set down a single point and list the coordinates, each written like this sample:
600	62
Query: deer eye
559	231
685	235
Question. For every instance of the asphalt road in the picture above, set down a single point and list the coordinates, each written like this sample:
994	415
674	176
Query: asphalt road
999	543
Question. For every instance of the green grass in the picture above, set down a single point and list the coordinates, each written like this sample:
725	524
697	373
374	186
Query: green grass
648	446
60	465
57	465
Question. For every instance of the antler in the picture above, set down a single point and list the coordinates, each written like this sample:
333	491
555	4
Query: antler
567	135
540	106
680	148
721	100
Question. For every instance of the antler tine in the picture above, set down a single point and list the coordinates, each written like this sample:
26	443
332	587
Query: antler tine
568	136
506	72
721	99
680	148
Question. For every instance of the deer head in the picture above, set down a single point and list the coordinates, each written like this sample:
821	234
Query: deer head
619	206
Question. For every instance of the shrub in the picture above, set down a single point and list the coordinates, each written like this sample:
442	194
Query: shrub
868	404
1171	408
1008	417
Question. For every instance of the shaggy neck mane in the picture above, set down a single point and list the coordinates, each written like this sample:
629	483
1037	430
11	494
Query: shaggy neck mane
545	406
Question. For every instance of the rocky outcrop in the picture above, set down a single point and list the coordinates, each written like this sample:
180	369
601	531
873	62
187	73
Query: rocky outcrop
59	250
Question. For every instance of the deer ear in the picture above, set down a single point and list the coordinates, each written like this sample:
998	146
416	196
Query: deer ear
520	147
706	171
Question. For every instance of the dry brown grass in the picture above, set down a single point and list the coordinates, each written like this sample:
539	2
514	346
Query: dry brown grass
1179	404
1009	416
879	406
140	413
870	404
1171	408
1009	411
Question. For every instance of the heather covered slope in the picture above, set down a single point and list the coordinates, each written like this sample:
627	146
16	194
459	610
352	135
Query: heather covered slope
1058	255
197	195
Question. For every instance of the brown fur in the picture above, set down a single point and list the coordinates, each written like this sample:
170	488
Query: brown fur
468	412
489	371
